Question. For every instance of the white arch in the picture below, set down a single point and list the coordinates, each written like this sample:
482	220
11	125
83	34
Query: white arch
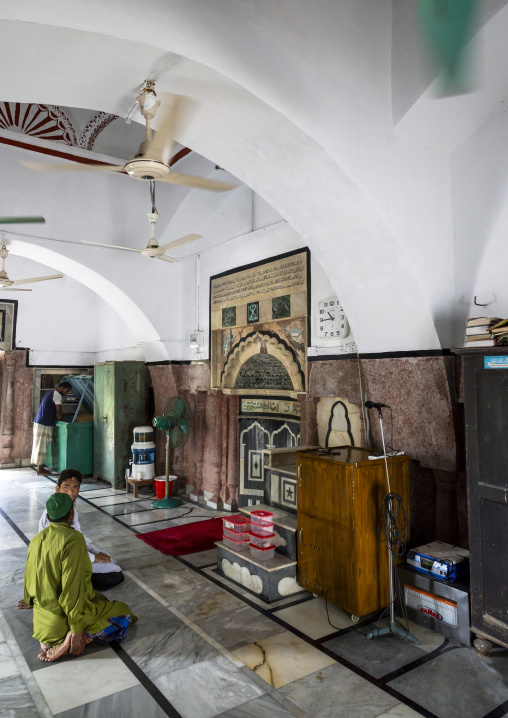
142	329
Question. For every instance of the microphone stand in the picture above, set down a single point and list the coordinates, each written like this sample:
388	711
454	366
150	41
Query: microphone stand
392	626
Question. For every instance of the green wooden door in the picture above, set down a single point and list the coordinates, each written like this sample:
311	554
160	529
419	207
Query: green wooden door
103	420
119	406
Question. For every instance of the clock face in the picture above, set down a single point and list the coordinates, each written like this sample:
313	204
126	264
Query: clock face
332	321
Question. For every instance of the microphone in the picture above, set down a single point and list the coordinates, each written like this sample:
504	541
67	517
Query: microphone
373	405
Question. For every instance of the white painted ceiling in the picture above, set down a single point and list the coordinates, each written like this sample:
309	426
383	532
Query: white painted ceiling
324	110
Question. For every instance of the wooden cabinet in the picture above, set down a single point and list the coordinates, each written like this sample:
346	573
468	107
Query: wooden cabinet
340	554
119	406
486	416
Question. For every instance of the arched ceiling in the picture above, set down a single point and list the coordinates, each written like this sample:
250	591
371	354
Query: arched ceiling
294	101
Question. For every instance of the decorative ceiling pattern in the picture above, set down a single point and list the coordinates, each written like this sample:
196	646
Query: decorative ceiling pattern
49	122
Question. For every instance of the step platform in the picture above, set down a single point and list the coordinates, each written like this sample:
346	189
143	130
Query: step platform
269	580
284	529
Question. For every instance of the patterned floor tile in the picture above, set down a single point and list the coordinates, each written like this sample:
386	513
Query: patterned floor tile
479	684
337	692
66	685
135	701
282	659
207	688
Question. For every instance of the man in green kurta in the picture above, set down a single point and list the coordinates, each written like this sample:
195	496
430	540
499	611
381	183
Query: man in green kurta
68	613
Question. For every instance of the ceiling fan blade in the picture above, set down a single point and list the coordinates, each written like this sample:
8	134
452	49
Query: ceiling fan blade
37	279
165	258
110	246
22	220
161	144
183	240
13	289
199	182
71	167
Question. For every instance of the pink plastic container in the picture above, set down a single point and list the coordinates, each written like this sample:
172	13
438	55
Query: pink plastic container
265	530
261	541
262	554
233	536
238	524
235	545
261	518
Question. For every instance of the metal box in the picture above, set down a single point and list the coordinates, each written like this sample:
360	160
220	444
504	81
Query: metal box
436	604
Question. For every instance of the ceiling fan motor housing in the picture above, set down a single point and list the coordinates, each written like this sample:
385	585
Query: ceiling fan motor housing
148	170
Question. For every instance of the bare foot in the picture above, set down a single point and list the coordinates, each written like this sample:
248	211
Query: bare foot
44	648
52	654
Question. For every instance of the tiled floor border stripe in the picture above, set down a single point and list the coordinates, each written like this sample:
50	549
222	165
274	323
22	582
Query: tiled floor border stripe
147	684
14	527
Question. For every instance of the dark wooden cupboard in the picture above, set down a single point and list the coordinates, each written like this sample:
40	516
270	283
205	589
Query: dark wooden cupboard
340	554
486	419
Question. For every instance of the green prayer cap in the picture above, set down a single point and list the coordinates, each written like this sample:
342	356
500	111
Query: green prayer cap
58	506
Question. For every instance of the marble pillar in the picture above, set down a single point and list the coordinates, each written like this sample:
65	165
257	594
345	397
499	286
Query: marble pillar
231	503
214	446
8	410
189	448
199	442
447	516
178	466
308	420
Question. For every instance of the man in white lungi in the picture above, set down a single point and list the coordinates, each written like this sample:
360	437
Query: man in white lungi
50	411
105	572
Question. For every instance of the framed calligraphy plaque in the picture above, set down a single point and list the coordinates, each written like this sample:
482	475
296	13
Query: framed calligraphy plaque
259	326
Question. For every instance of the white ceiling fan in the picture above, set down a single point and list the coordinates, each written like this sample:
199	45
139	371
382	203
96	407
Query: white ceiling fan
152	249
152	161
8	285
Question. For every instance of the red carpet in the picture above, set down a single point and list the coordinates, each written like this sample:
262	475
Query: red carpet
190	538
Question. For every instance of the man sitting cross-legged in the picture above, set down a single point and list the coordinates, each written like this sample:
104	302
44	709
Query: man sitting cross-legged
68	612
105	572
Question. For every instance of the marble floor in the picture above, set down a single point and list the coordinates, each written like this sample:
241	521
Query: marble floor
204	646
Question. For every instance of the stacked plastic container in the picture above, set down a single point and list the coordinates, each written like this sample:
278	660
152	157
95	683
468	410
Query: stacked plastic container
261	535
236	532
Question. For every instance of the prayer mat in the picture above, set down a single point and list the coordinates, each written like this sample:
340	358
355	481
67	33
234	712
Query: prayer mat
189	538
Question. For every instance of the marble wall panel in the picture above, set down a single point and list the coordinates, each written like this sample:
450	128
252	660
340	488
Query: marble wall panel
22	378
418	391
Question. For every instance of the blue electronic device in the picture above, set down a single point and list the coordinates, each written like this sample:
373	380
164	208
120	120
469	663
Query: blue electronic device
440	560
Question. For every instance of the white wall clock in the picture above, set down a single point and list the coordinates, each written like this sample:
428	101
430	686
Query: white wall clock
331	320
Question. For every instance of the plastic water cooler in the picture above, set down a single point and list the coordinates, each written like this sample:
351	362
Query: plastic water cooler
143	453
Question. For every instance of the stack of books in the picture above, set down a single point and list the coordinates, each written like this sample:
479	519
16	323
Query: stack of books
479	331
499	332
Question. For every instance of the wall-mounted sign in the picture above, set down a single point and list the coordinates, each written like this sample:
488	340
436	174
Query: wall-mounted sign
495	362
270	406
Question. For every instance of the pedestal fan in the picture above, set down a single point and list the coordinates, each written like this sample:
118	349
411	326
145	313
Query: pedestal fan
175	423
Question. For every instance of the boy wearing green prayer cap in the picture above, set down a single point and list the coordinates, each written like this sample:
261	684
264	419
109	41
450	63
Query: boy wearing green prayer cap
68	613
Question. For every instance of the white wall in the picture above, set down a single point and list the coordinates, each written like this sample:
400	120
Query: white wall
480	210
257	245
60	320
